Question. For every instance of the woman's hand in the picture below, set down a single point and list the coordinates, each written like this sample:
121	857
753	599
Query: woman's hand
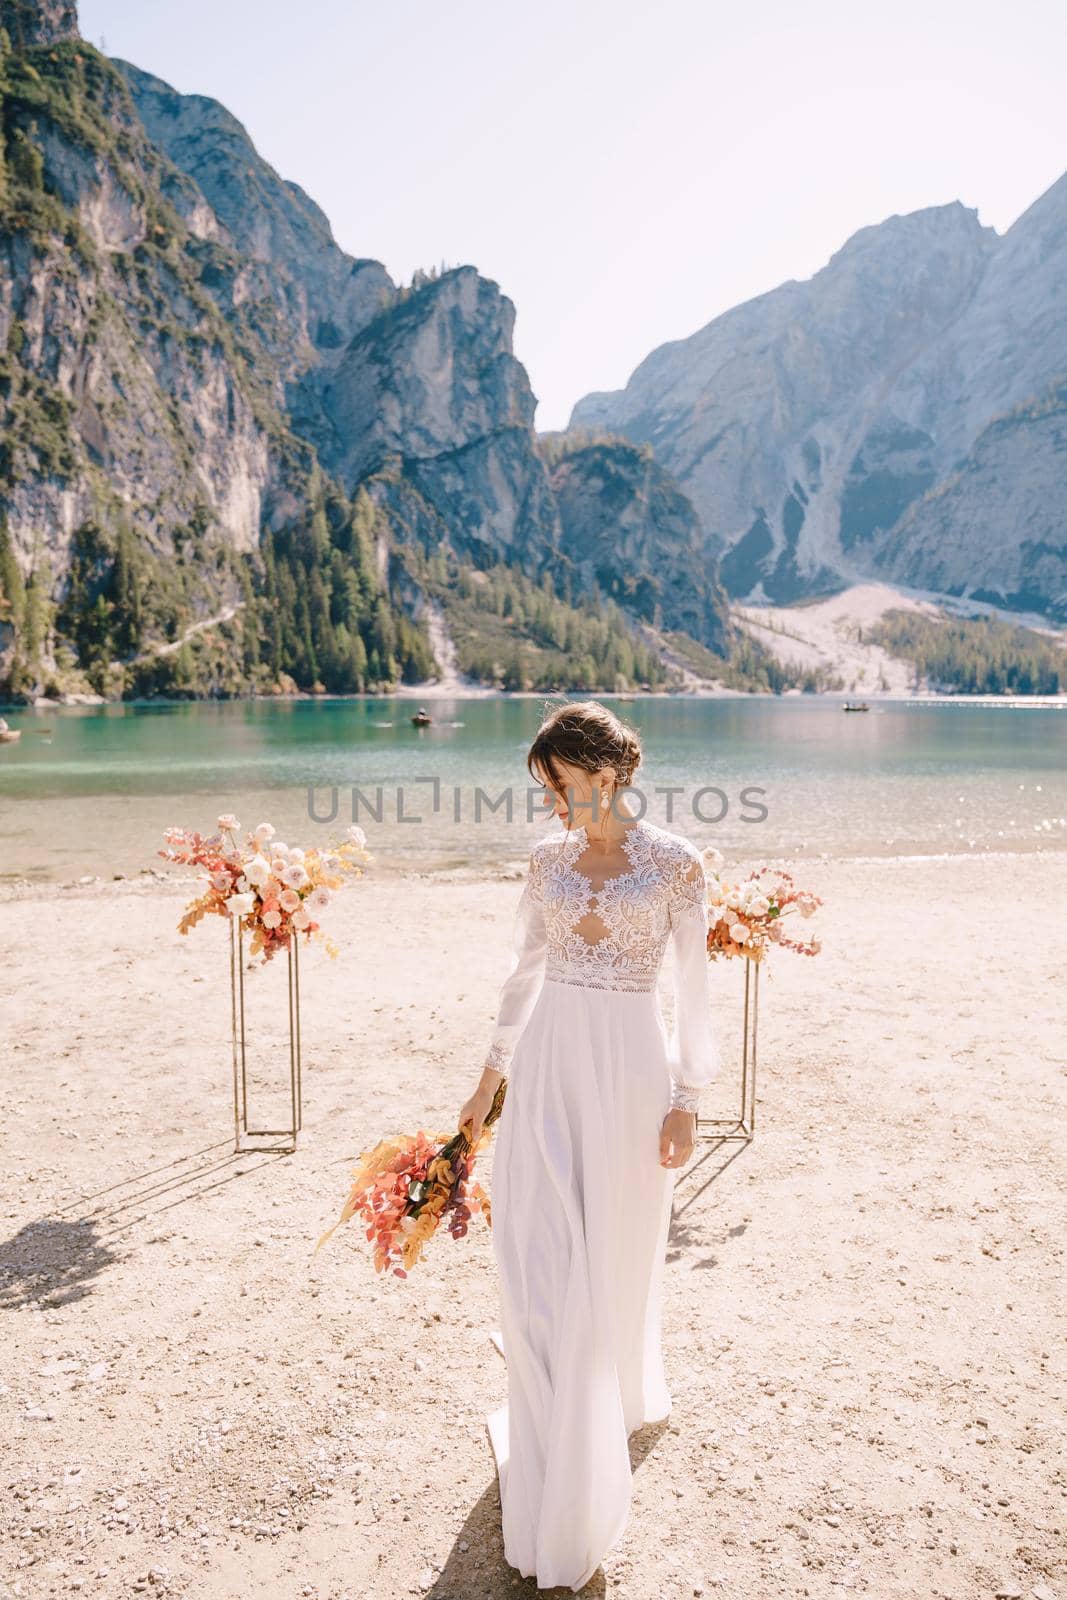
677	1137
477	1107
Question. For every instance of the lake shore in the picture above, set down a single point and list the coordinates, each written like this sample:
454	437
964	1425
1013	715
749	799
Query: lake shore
861	1312
829	635
433	691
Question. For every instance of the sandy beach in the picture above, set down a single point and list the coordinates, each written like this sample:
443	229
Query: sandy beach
864	1310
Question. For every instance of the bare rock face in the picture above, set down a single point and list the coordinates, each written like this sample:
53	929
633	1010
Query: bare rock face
34	22
1009	343
994	528
430	390
122	399
627	530
762	415
810	425
323	296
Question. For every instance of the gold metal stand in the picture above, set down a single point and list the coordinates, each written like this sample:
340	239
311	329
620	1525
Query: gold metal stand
743	1127
241	1130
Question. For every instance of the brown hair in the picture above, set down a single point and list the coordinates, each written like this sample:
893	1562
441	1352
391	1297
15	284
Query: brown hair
585	734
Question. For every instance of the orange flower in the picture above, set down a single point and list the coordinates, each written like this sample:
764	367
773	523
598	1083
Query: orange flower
408	1184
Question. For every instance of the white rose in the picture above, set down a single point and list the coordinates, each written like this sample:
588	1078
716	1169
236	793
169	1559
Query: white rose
295	877
264	832
739	933
240	905
279	849
257	871
713	858
733	899
759	906
227	823
331	863
289	900
296	854
318	899
301	919
272	919
356	834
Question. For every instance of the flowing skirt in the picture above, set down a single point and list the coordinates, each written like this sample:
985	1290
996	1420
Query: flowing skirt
581	1209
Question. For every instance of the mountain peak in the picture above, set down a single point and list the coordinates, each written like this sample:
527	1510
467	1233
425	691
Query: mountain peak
34	22
930	225
804	426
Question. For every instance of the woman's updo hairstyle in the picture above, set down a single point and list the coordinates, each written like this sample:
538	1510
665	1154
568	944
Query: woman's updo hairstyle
584	734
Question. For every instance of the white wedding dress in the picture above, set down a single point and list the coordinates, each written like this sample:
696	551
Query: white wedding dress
580	1202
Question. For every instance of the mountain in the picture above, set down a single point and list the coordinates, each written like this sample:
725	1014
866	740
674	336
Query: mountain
378	378
628	530
891	416
229	448
323	297
138	409
33	22
995	525
430	393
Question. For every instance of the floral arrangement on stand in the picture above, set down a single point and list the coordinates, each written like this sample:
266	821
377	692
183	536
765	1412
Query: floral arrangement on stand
745	918
278	890
408	1184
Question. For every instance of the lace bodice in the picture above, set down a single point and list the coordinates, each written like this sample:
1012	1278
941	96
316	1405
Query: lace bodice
662	895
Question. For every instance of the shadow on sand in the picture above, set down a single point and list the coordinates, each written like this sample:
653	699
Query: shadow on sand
55	1261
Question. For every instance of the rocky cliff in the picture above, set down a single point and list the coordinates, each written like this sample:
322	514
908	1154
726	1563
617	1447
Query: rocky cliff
415	388
322	296
994	527
827	431
130	396
152	487
429	393
32	22
627	530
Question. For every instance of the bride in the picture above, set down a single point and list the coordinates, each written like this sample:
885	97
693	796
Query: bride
600	1113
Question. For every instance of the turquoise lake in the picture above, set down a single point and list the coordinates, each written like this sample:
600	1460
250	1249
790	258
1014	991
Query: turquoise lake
90	790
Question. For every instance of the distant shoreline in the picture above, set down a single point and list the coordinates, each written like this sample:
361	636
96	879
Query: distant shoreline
426	693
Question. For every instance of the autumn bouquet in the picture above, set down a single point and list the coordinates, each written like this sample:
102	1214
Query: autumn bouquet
405	1188
278	890
745	918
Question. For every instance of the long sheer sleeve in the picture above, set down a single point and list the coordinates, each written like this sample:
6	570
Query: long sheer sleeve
694	1049
523	983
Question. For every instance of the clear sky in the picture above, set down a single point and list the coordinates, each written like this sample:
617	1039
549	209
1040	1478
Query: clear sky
624	170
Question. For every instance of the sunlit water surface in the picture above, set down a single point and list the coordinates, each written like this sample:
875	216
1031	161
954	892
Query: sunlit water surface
90	790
